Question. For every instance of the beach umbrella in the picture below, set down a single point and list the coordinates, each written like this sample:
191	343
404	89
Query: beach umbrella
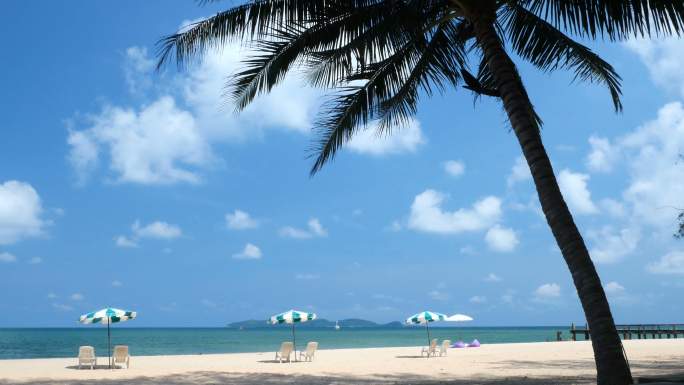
425	317
292	317
107	316
459	318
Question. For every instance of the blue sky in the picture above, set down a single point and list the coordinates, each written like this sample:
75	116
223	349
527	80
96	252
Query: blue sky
124	187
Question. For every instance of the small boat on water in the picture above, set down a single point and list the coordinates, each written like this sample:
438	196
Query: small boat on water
337	325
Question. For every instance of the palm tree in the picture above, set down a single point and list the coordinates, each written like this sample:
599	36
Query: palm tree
381	56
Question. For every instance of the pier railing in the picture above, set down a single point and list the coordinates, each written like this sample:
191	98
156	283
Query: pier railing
628	332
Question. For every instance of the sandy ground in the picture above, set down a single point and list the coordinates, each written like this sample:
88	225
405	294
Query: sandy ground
529	363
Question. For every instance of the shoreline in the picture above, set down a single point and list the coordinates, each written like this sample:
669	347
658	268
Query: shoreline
521	363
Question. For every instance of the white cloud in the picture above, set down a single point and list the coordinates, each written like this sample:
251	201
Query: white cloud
35	260
603	155
520	172
314	229
654	158
491	277
240	220
7	257
163	143
116	283
156	230
548	291
249	252
158	144
307	276
614	208
614	288
52	295
438	295
501	239
454	167
20	212
77	297
611	246
664	59
123	241
574	188
670	263
137	68
427	214
401	140
508	297
478	299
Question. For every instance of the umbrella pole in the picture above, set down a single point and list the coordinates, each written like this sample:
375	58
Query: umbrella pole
109	343
294	341
427	328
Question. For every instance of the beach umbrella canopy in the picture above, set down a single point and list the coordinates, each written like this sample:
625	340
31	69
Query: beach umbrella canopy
292	317
459	318
107	316
425	317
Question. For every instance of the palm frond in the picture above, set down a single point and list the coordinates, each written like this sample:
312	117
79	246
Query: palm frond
549	49
614	19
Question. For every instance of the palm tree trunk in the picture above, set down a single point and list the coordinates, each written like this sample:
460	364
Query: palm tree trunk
611	364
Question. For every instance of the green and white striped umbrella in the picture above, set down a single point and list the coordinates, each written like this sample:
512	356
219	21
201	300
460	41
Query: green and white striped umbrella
425	317
292	317
107	316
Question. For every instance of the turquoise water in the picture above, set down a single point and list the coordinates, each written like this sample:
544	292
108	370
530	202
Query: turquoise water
57	342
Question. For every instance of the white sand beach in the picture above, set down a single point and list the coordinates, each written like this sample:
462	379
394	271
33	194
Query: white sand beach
520	363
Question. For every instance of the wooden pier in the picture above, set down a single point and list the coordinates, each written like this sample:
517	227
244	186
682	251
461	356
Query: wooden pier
628	332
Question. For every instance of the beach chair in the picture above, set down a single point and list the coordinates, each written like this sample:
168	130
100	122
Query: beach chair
285	352
430	350
86	356
308	354
121	356
443	348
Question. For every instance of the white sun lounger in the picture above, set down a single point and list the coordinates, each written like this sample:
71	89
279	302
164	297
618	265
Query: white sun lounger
446	344
430	350
121	356
285	352
86	356
308	354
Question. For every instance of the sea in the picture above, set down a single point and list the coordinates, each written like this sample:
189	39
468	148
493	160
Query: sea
17	343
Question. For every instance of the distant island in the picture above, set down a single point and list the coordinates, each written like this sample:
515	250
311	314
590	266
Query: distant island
352	323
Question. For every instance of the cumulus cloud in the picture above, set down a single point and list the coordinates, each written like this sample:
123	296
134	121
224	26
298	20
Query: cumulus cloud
614	288
547	291
240	220
576	193
491	277
664	59
428	215
158	144
602	156
249	252
454	168
156	230
611	246
7	257
170	139
501	239
123	241
520	172
313	229
401	140
670	263
20	212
